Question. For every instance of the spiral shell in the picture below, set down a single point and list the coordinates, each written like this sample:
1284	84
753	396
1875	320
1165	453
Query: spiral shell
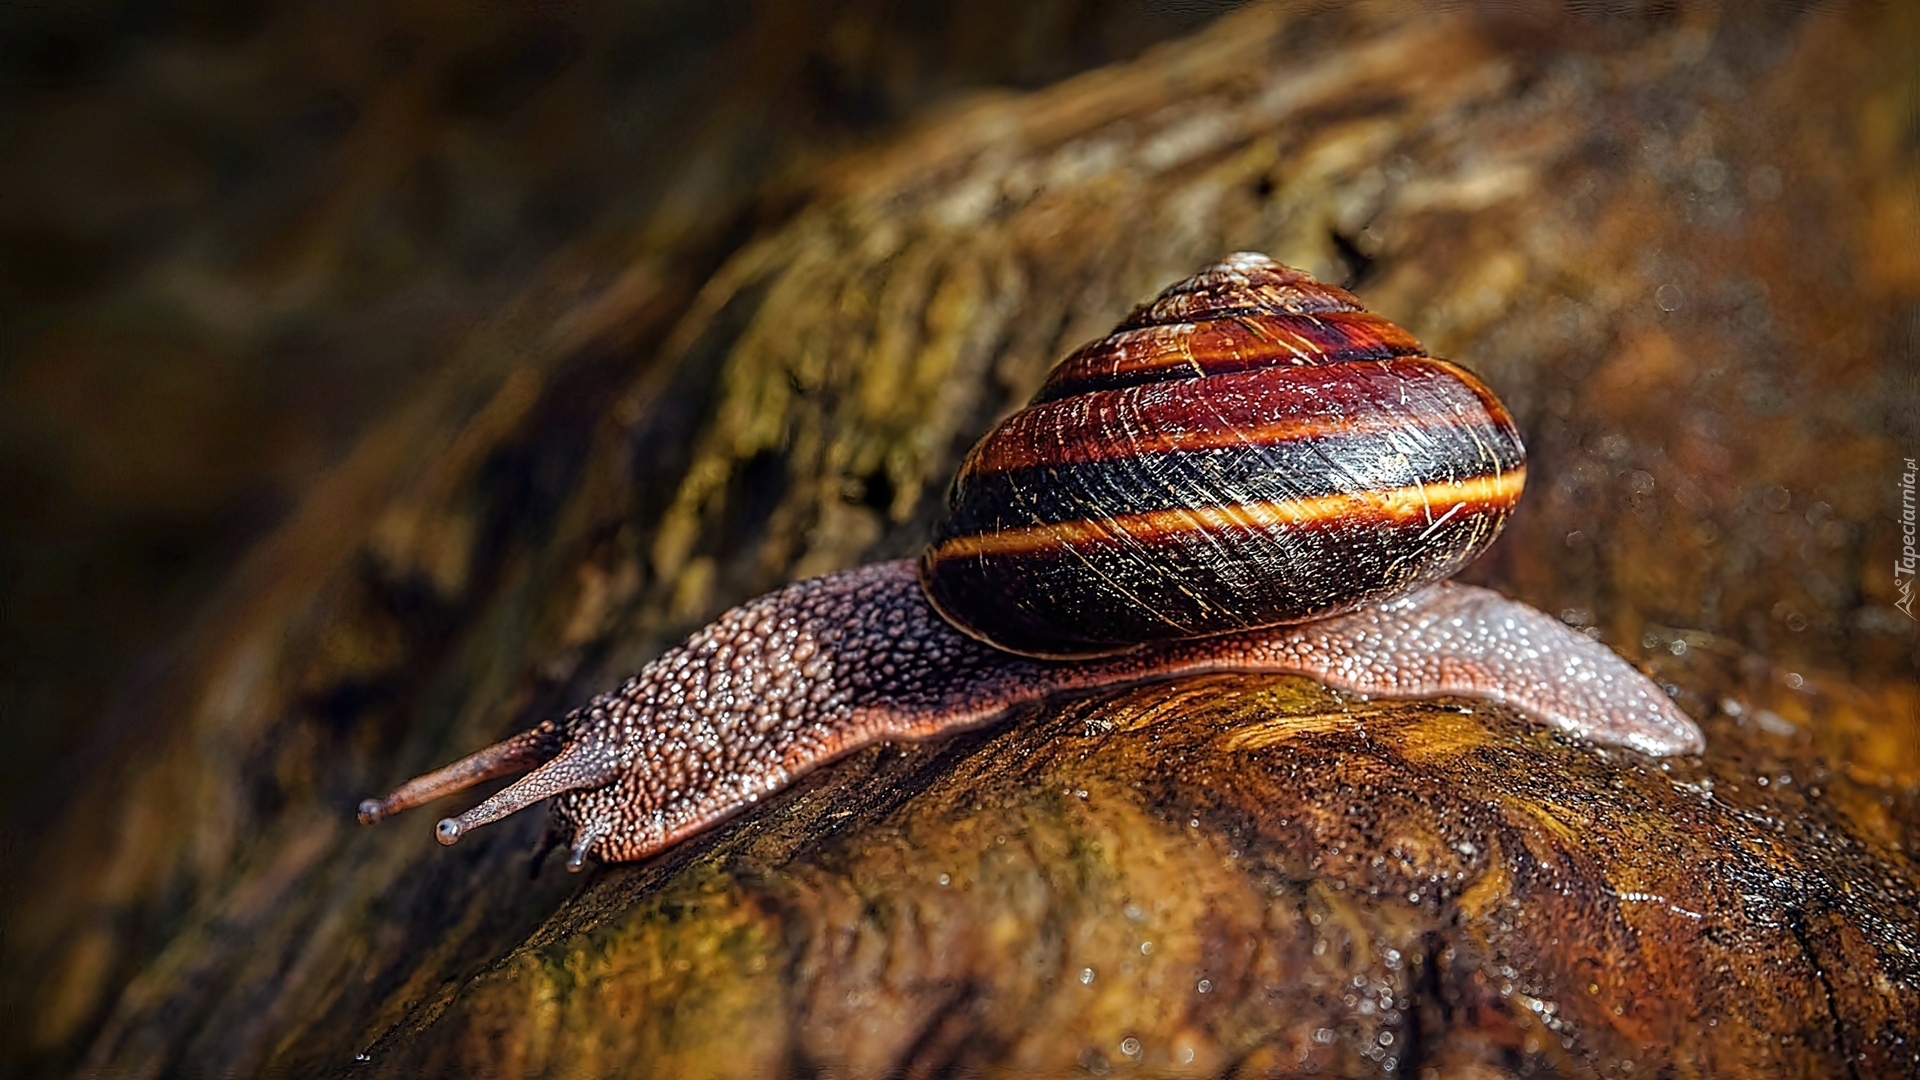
1249	449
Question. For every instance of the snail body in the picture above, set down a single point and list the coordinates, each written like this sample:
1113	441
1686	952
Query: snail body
1250	474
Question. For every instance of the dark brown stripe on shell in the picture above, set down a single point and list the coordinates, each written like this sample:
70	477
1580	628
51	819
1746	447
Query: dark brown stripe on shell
1260	407
1315	468
1218	347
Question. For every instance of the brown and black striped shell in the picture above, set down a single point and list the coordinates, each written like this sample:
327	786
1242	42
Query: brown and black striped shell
1251	448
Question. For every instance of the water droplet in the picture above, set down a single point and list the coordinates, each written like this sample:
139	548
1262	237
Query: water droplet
1669	297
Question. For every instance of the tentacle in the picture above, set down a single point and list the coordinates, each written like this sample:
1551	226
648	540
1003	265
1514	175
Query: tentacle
583	845
583	764
522	752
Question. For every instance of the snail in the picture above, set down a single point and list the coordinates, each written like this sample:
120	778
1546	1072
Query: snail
1250	474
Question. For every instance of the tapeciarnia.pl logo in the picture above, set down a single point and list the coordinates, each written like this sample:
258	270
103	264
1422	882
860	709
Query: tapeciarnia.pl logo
1903	567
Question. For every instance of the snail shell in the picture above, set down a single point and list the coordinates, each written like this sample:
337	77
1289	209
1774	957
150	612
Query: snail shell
1249	449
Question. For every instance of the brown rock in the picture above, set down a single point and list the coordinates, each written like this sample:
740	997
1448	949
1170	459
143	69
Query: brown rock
1226	875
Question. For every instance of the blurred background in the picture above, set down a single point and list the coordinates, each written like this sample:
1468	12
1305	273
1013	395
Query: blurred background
234	234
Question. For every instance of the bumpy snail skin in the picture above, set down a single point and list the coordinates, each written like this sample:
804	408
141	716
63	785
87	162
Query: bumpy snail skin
801	676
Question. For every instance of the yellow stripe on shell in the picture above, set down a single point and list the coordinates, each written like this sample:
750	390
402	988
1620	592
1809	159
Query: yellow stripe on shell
1417	502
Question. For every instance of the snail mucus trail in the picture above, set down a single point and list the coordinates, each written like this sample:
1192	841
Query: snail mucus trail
1250	474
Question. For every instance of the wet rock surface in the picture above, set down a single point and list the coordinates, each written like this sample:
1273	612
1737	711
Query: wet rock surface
1233	876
